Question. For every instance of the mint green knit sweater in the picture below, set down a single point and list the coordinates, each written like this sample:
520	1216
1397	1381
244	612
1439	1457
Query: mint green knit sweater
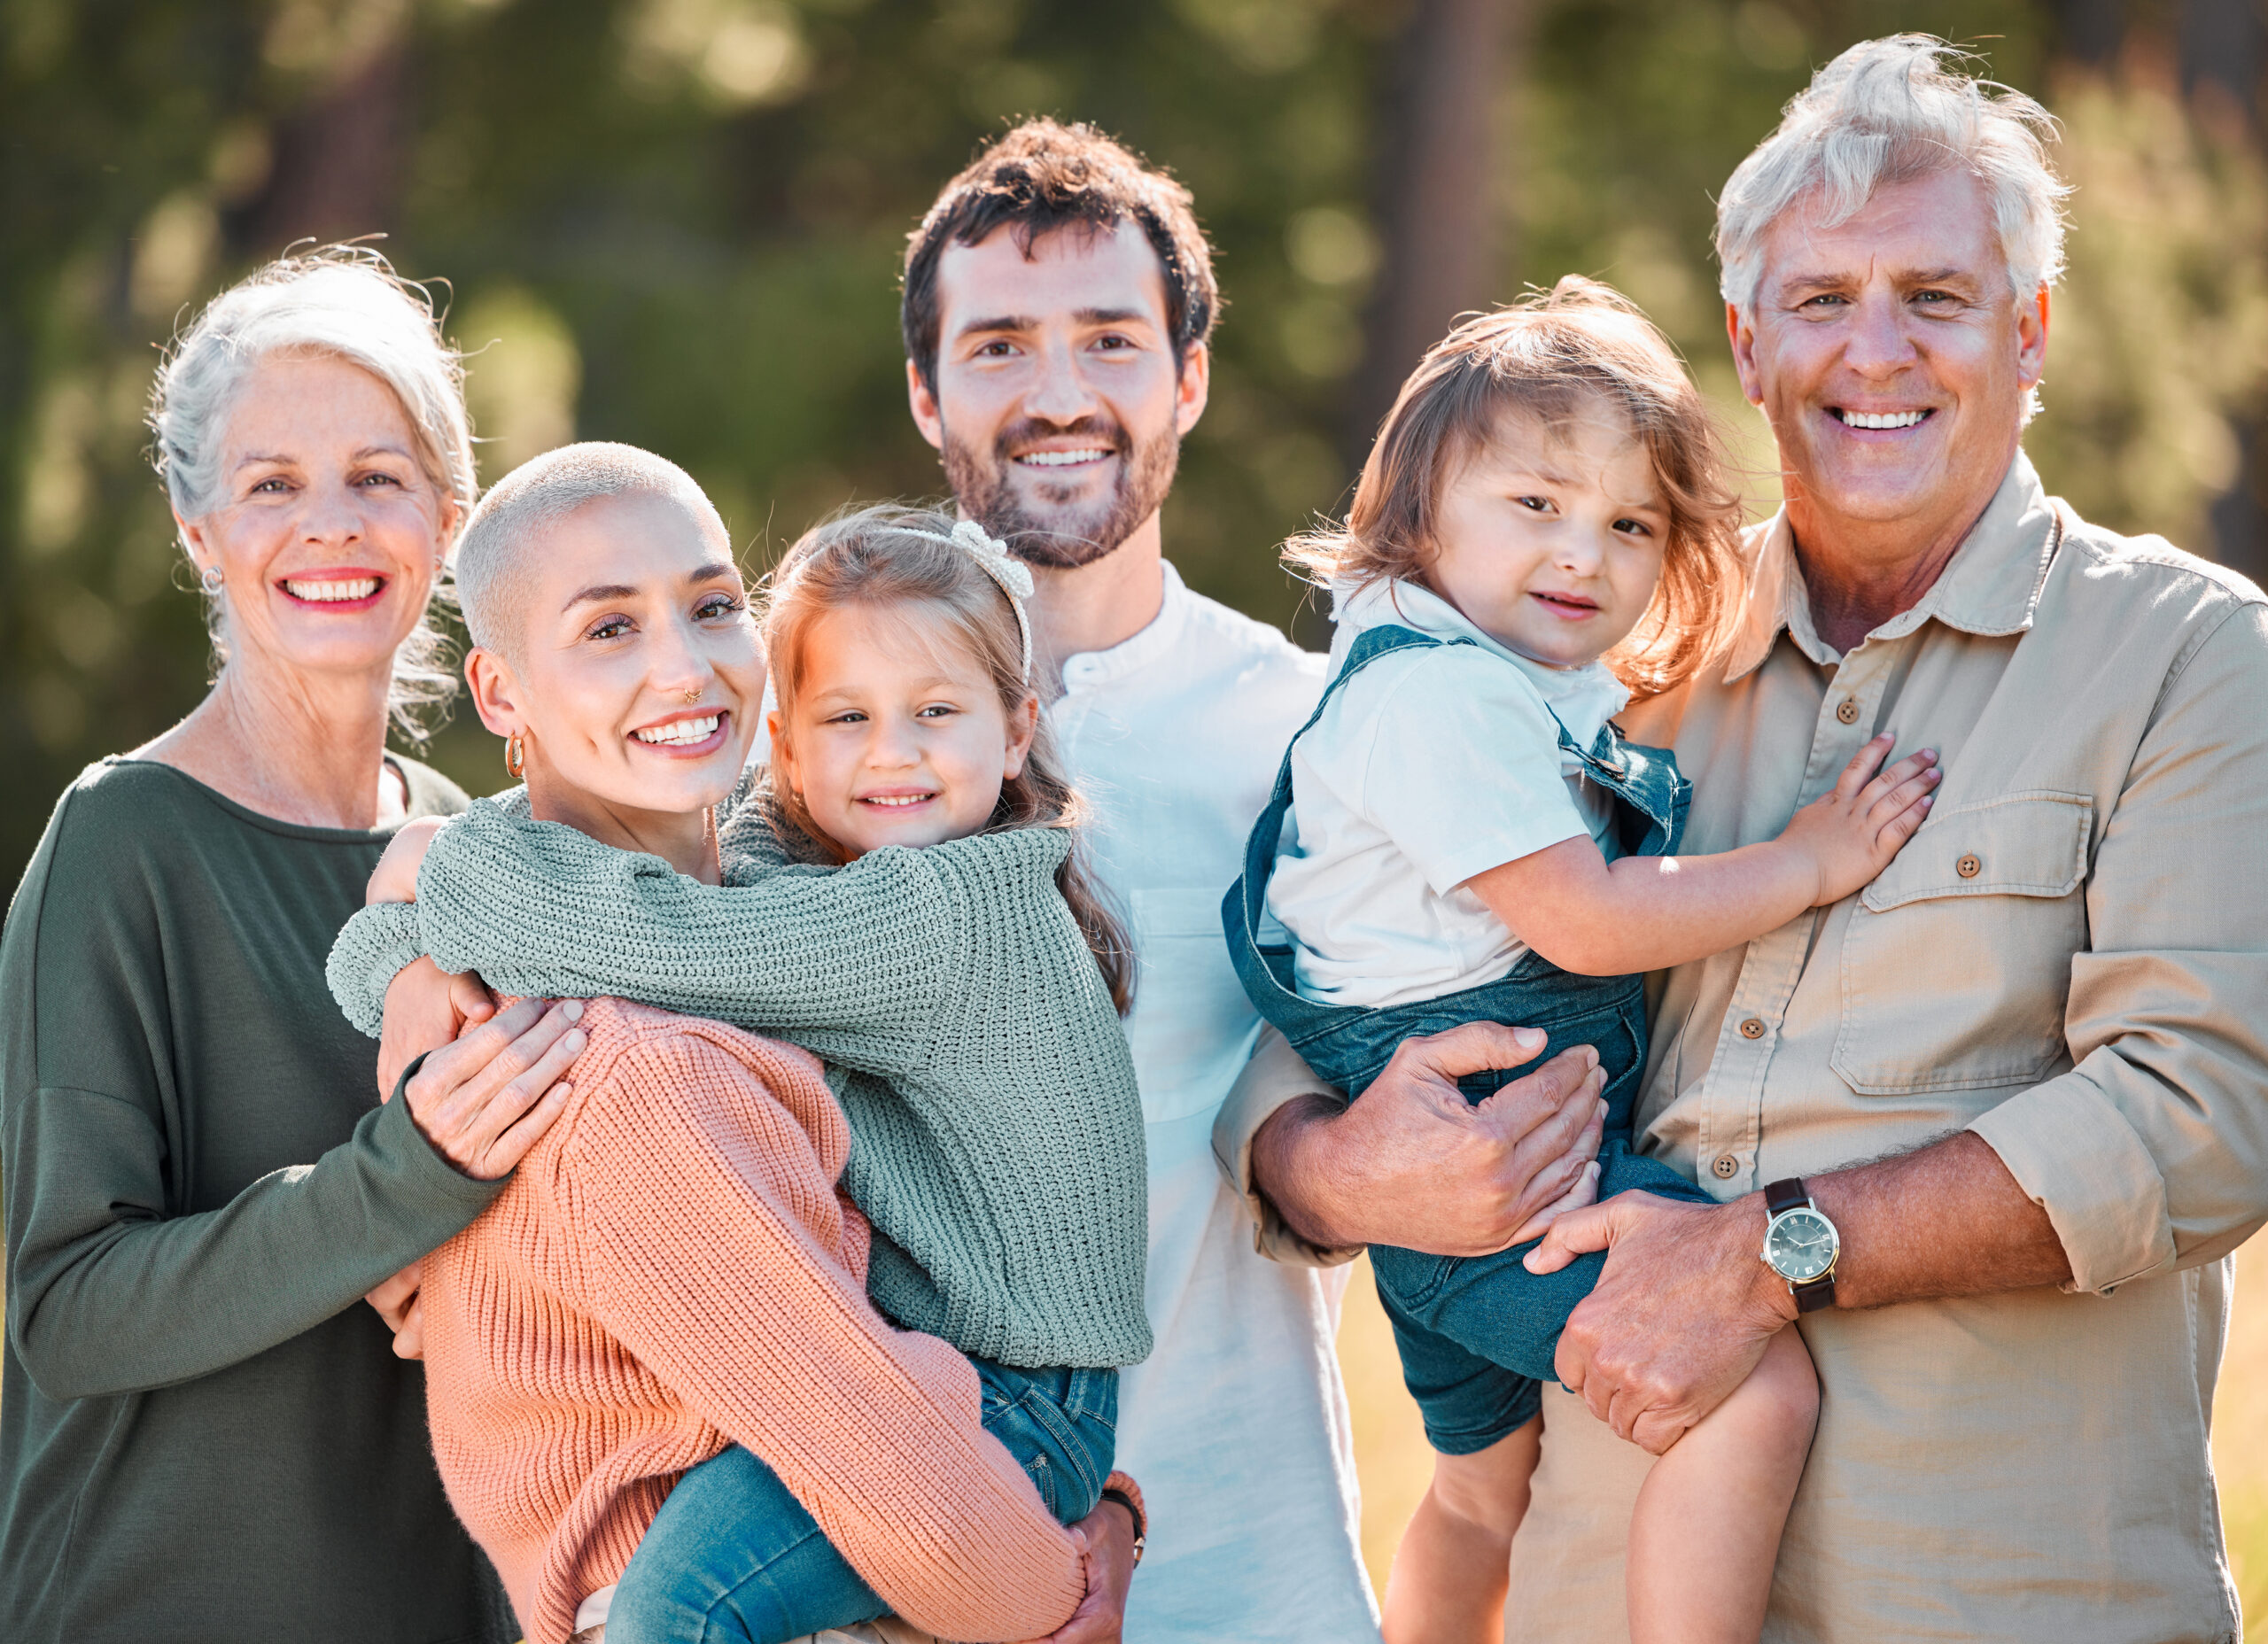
998	1146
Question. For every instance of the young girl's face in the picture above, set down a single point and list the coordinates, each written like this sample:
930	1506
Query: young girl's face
1549	539
897	735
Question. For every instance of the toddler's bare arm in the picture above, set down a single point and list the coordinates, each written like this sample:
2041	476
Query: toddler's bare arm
1597	917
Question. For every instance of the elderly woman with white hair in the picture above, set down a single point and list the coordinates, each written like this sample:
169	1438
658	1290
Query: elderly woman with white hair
202	1434
1994	1124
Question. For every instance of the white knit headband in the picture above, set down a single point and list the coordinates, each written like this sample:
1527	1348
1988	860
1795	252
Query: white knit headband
991	555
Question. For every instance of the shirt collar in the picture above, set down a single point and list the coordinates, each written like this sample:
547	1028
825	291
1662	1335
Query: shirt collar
1412	605
1991	586
1085	669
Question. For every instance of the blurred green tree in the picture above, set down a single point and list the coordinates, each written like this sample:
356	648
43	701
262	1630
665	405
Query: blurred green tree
678	221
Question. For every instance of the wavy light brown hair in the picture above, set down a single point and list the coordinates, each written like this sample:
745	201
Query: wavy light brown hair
889	558
1552	358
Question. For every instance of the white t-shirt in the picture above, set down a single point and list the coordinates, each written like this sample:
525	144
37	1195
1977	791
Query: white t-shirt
1429	766
1237	1425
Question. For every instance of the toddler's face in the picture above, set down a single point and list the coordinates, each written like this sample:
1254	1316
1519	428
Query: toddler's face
897	735
1550	540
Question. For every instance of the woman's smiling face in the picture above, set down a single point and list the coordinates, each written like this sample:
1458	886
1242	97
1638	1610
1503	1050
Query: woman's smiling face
895	734
327	532
639	676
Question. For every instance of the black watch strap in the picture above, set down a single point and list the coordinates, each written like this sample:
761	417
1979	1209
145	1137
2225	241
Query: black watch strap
1784	1195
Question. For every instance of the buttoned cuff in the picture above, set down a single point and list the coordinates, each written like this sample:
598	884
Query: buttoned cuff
2077	1155
1274	1075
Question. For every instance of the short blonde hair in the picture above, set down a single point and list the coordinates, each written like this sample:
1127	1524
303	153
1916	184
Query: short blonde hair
346	302
492	560
1887	112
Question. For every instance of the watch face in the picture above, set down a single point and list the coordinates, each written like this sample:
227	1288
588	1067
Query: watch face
1801	1245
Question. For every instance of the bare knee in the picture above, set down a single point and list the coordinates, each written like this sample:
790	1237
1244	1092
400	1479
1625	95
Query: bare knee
1488	1489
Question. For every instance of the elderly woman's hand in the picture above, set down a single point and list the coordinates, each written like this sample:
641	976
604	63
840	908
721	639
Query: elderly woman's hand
426	1008
486	1099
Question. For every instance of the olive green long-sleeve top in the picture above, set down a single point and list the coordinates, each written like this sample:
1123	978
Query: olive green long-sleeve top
203	1434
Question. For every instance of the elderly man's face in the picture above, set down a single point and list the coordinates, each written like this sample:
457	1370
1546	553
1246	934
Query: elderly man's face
1891	357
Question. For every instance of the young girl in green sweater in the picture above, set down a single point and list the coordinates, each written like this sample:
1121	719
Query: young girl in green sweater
961	993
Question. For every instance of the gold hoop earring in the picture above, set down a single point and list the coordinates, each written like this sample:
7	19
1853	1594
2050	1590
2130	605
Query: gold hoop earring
515	756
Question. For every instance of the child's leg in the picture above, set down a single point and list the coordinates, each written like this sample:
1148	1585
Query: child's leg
1706	1531
733	1556
1450	1572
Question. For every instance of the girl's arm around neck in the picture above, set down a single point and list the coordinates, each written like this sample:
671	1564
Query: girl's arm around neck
1597	917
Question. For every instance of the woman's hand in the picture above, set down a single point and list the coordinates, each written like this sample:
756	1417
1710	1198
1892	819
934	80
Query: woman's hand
425	1009
1105	1536
400	1302
485	1099
395	877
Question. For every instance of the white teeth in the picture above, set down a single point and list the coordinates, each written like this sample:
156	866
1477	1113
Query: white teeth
332	593
679	732
897	802
1888	419
1060	459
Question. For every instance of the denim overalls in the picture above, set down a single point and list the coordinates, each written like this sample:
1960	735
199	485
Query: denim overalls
1477	1333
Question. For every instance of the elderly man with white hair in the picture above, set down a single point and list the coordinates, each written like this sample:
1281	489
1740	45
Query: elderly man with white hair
1997	1121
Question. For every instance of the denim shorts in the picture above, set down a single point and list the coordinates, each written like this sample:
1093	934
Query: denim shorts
1477	1334
733	1558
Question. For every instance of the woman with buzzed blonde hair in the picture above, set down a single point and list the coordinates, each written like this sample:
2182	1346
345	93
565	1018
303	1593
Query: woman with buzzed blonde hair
204	1435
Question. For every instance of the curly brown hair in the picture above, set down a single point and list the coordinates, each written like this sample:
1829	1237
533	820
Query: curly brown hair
1552	357
890	557
1043	176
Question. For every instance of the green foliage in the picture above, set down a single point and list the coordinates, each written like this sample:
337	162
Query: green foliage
678	222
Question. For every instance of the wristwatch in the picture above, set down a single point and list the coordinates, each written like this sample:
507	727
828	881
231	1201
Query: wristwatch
1800	1244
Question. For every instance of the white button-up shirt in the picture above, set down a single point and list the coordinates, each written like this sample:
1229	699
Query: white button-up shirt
1237	1425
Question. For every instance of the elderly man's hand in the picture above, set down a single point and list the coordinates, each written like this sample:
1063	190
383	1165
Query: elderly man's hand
1414	1164
1680	1316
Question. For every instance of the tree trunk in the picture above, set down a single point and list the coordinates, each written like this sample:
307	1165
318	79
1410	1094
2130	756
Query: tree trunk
1436	194
2224	47
340	159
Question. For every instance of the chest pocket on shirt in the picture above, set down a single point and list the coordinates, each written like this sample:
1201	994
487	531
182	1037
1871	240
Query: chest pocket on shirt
1957	962
1192	1027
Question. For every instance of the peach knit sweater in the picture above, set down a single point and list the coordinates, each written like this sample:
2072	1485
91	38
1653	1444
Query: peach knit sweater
674	1269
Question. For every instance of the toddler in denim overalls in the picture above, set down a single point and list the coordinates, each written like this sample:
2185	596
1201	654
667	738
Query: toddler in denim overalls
1459	833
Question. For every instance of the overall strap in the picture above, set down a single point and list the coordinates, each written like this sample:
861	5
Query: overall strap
1242	910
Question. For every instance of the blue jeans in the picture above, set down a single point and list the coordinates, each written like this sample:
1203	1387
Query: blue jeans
1477	1334
733	1558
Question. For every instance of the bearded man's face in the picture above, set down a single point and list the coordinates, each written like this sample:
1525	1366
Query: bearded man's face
1059	400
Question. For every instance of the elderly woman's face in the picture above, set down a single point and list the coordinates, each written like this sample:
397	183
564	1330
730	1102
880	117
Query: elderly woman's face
1890	354
329	532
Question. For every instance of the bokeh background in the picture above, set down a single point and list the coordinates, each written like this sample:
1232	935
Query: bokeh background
677	222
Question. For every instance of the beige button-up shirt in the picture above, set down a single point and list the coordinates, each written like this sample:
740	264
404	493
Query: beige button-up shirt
2070	960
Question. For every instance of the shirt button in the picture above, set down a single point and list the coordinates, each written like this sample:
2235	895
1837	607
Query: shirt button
1752	1028
1847	710
1969	867
1726	1167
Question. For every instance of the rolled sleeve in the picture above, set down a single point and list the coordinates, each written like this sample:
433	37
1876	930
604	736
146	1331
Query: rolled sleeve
1274	1075
2151	1153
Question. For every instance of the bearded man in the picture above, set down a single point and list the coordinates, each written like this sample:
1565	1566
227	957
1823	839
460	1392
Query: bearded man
1059	301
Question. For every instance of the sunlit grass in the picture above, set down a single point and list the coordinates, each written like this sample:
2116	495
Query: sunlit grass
1390	1447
